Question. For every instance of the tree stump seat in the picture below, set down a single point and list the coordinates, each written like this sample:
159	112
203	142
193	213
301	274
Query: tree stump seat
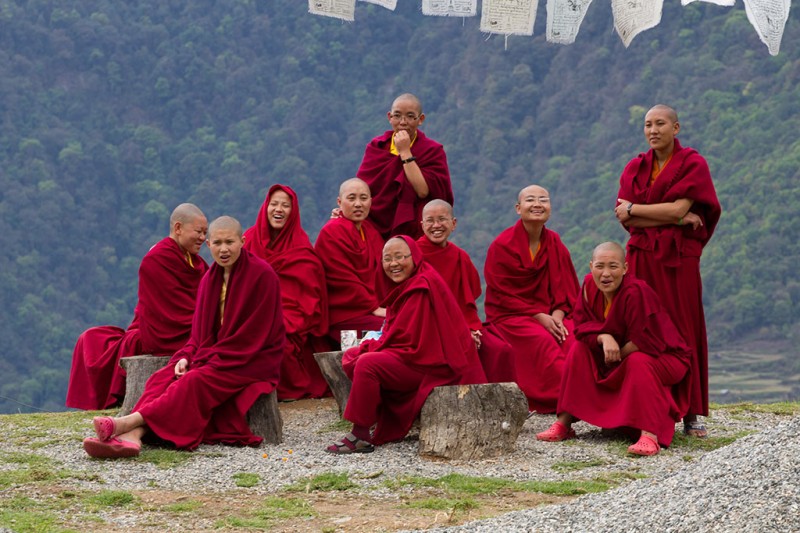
263	417
472	421
330	364
457	422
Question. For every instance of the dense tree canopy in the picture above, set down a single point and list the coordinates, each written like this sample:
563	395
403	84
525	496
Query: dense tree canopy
114	112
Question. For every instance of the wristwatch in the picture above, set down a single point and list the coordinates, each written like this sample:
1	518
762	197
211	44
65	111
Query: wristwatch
409	160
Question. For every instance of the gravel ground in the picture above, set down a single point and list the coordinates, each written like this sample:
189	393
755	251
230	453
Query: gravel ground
750	486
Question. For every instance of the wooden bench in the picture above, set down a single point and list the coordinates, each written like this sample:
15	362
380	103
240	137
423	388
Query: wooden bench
457	422
263	417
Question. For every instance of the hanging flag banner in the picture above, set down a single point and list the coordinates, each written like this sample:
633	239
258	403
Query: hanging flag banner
340	9
632	17
509	17
564	18
450	8
388	4
768	17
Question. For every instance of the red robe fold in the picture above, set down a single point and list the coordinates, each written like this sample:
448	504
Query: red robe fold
225	360
518	288
351	267
461	276
647	389
396	208
161	325
304	297
668	257
425	344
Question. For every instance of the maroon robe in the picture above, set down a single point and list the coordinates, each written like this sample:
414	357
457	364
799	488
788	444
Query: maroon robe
461	276
230	364
425	343
303	296
667	257
396	208
352	266
642	391
517	288
161	325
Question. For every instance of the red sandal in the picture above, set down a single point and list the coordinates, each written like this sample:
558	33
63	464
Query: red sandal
556	433
646	445
105	427
350	444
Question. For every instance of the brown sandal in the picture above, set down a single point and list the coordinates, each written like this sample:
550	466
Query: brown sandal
350	444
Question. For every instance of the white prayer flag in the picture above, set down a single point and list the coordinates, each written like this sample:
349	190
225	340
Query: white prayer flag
510	17
564	19
340	9
388	4
450	8
768	17
725	3
632	17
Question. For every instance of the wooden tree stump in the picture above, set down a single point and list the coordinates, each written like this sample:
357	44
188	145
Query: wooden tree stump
263	417
330	364
138	368
472	421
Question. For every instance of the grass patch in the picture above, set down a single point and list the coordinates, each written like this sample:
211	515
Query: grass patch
339	426
461	484
329	481
29	459
22	515
246	479
110	498
778	408
686	443
571	466
182	507
163	457
270	511
444	504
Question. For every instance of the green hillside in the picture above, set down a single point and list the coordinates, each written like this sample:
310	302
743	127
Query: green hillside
114	112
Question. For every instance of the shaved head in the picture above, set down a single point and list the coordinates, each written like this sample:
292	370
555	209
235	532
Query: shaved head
185	213
610	247
346	184
536	190
671	113
225	223
433	204
409	98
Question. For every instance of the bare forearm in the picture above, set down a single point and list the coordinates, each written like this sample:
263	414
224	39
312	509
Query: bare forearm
414	176
664	213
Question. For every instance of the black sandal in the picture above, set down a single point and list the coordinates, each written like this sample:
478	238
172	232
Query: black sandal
350	444
695	425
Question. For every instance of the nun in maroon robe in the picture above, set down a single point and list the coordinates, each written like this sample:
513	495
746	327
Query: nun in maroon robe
519	285
350	250
303	294
168	280
396	207
667	256
639	392
233	356
461	276
424	344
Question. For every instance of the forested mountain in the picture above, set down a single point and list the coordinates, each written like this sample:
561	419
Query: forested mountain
111	113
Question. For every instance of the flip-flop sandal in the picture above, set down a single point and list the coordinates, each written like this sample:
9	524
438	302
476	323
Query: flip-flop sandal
697	426
556	433
110	449
104	427
350	444
644	446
